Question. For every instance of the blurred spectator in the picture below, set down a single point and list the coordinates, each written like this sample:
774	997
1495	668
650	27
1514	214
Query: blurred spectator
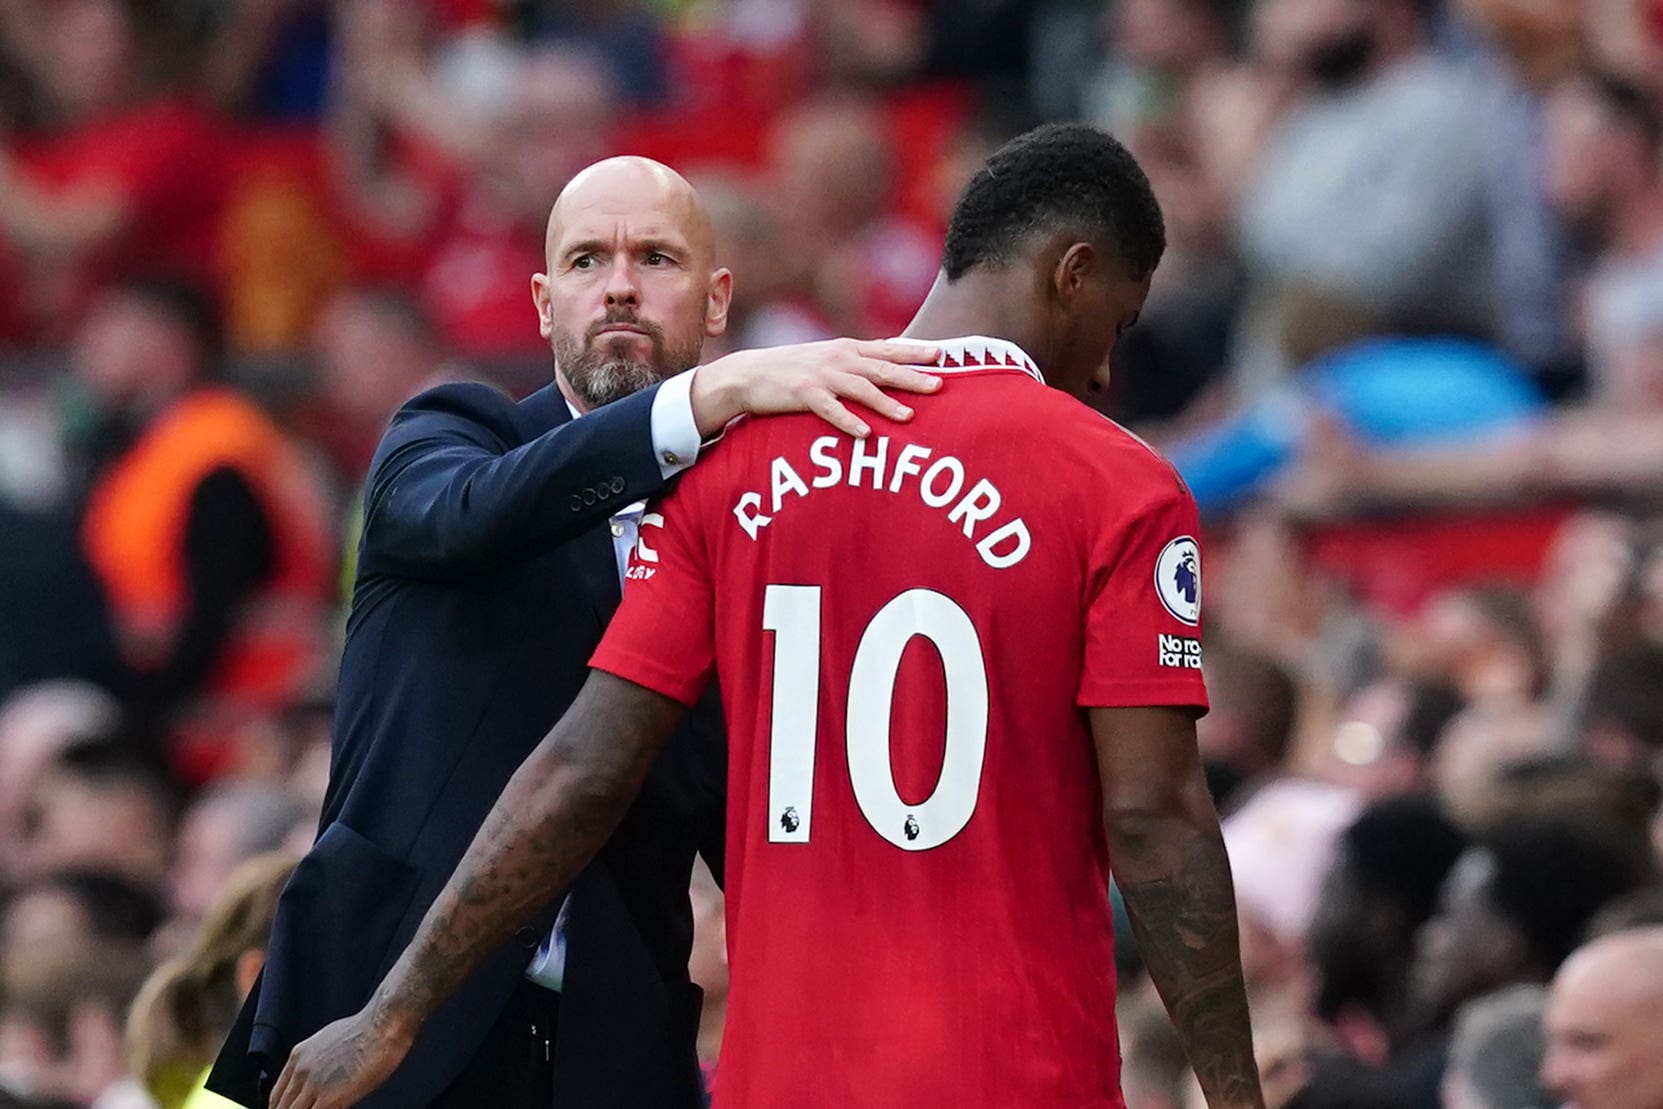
36	725
1604	171
708	966
1281	844
375	348
100	806
47	586
1385	735
834	176
223	828
121	173
1161	88
185	1008
538	121
1623	716
1367	208
74	911
1524	48
268	58
773	297
61	1016
1496	1053
1513	908
1244	737
202	523
1380	891
1604	1024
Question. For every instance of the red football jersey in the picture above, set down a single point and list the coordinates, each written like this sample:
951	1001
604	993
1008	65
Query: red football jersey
906	630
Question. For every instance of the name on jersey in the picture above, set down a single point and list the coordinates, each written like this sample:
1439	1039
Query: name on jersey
1180	651
939	481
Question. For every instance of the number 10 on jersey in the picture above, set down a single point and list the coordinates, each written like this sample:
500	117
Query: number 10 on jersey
792	613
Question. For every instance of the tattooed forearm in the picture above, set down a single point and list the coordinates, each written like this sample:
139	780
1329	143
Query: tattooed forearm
1175	878
555	814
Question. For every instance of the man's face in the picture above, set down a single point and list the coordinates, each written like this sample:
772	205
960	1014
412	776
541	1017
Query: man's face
631	292
1604	1039
1109	303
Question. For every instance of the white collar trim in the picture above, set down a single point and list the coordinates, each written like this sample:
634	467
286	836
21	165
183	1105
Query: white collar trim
979	352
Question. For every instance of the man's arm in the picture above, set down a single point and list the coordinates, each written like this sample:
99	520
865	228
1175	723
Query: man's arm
1169	862
554	815
446	501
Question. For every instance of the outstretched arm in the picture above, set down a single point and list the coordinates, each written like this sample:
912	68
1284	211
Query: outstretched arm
554	815
1169	862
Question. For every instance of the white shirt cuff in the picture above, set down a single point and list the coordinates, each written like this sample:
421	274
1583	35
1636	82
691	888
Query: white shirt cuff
675	434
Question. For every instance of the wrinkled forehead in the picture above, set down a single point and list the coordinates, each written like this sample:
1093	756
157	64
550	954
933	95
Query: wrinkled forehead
625	212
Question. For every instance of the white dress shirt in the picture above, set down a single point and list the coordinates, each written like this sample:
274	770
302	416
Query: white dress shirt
675	440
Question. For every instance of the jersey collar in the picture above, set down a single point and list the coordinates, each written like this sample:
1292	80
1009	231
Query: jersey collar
978	352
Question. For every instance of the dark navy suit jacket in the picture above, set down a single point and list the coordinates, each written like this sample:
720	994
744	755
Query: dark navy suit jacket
486	577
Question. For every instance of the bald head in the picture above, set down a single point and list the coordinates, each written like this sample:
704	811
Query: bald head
636	185
1604	1024
632	288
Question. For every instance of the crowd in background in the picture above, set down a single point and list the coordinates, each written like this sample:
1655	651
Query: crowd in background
1406	344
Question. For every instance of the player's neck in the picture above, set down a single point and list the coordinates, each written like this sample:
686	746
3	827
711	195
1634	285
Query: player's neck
978	303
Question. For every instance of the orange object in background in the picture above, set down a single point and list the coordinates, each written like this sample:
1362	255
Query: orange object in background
134	535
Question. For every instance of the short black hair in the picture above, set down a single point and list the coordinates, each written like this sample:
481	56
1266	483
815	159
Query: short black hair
118	908
1058	175
1552	876
1402	848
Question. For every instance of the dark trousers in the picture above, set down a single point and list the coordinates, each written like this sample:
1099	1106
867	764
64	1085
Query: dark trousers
514	1067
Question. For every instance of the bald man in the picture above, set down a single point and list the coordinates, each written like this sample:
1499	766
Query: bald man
1604	1024
495	538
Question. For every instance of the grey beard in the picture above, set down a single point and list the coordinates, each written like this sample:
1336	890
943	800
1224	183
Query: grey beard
600	379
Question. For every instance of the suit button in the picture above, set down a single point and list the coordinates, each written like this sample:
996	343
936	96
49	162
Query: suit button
605	492
589	496
576	502
617	485
527	939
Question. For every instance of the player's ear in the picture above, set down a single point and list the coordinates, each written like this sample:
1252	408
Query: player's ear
1071	271
717	301
540	297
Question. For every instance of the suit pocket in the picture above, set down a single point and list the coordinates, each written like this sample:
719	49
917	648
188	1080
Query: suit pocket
335	934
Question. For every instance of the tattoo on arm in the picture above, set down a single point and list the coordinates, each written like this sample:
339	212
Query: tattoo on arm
1184	917
554	815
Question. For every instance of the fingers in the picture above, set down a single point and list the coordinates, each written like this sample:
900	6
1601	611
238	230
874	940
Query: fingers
828	408
902	351
860	389
891	376
280	1092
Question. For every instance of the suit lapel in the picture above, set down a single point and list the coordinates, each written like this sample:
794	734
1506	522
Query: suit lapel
597	564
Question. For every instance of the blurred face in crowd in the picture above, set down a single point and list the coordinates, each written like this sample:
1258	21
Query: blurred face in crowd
132	354
1590	158
1329	40
89	47
119	826
558	120
1604	1024
373	353
1468	947
632	289
833	171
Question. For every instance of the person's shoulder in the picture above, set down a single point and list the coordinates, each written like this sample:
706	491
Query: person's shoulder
1119	458
468	400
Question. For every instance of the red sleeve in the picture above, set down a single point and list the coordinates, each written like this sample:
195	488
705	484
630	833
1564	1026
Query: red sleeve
1143	617
664	634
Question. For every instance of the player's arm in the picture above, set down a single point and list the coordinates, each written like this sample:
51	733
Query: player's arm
1169	862
554	815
